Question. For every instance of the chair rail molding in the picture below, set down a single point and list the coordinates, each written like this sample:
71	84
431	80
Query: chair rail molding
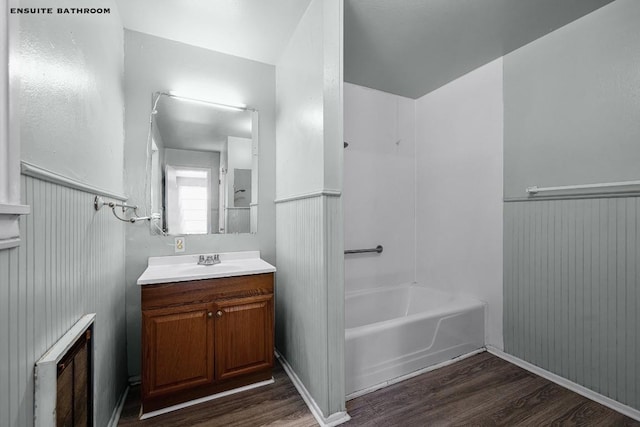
10	207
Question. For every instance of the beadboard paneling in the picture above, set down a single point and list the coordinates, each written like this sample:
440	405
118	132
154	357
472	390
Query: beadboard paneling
310	295
70	262
571	291
335	296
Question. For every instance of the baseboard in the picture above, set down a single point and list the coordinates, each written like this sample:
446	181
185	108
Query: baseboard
561	381
331	420
193	402
117	411
396	380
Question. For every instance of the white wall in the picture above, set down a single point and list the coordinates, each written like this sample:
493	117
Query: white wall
71	105
572	103
459	131
379	187
300	110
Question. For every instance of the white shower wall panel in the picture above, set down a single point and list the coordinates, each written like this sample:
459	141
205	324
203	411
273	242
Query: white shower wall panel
379	187
459	190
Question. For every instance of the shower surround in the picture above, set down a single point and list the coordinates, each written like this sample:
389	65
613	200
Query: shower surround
430	191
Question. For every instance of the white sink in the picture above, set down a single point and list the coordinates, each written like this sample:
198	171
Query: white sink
182	268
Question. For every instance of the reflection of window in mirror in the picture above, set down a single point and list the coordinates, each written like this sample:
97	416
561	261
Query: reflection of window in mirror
188	191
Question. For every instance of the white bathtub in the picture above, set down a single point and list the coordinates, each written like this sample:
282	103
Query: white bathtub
392	332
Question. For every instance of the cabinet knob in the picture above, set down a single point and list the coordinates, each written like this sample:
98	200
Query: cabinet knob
209	314
219	313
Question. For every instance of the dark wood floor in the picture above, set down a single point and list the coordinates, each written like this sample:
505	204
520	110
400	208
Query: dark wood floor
276	404
482	390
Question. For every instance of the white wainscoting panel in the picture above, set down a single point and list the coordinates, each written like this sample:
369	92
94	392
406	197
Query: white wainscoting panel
70	263
310	295
572	291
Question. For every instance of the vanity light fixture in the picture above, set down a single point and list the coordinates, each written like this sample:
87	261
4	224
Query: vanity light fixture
240	107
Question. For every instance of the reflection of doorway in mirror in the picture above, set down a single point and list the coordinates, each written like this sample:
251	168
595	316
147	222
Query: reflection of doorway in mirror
222	189
188	191
195	160
241	188
239	163
156	185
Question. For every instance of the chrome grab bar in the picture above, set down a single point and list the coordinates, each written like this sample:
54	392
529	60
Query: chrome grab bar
377	249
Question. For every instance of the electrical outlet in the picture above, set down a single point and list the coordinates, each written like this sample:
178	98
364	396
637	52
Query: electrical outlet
179	244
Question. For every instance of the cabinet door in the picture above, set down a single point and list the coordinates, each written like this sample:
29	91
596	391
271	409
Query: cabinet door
177	348
244	336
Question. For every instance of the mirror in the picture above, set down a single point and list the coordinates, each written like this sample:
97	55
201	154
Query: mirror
203	167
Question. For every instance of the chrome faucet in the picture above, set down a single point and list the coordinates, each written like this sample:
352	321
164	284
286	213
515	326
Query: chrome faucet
210	260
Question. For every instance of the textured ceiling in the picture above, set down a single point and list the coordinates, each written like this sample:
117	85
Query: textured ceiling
411	47
188	126
253	29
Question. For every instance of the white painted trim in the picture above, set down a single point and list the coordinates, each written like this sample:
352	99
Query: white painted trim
9	140
413	374
563	382
319	193
34	171
117	411
330	421
9	230
46	373
9	243
205	399
8	209
55	353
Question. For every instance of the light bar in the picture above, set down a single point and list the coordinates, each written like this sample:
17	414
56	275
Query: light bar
176	95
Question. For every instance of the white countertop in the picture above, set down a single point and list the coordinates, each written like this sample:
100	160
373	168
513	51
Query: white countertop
181	268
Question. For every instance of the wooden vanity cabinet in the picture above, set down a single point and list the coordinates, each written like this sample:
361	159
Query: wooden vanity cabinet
204	337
